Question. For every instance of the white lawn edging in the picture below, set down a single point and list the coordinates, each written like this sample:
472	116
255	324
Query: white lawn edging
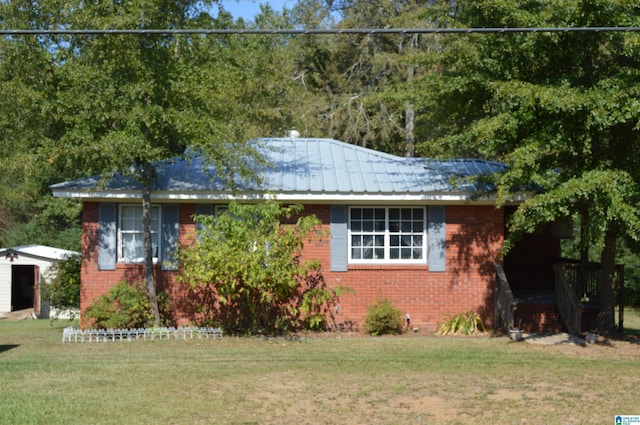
73	334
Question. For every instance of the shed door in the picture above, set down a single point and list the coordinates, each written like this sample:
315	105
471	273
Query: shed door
23	287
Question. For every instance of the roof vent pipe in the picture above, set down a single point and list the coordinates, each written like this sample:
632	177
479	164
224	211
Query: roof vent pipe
294	134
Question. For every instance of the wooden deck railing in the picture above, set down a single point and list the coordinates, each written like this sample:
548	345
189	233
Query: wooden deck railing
575	284
567	300
580	283
584	277
505	302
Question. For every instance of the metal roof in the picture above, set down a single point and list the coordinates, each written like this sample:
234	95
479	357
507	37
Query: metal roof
302	169
41	251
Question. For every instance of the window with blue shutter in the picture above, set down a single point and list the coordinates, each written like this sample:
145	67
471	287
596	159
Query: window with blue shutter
120	237
403	235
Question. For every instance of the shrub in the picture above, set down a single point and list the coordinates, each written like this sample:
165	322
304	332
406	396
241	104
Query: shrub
468	323
64	290
383	318
248	273
125	306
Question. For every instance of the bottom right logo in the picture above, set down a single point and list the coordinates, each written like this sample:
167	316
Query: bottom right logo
627	420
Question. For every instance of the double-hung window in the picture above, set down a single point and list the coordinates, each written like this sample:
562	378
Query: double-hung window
130	235
387	234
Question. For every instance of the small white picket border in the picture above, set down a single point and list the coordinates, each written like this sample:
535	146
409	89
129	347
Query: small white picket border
73	334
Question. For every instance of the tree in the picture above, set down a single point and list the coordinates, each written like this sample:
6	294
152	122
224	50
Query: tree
117	98
104	104
559	108
248	260
127	101
27	129
360	88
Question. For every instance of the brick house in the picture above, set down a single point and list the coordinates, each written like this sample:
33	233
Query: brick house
409	229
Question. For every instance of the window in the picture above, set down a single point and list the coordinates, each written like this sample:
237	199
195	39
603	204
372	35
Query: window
387	235
130	236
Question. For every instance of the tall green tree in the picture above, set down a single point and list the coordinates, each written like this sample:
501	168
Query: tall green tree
118	100
27	127
560	108
102	104
169	92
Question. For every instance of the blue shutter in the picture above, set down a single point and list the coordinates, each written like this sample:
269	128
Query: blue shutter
169	234
338	226
436	239
204	209
106	236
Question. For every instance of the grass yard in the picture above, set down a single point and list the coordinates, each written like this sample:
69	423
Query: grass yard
631	321
323	380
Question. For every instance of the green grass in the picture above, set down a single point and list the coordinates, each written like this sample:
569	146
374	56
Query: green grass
327	380
631	320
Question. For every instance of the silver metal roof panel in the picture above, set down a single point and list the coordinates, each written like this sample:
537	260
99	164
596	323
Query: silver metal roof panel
41	251
304	166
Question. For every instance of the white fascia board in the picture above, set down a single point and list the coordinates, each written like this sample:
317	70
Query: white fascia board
303	197
96	195
385	198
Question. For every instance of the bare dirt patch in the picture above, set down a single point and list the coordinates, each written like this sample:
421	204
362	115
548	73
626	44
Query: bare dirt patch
605	348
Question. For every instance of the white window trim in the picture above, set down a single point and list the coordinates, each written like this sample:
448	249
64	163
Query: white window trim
387	237
120	258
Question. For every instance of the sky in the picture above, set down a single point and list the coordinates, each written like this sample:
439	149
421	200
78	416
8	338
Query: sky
248	9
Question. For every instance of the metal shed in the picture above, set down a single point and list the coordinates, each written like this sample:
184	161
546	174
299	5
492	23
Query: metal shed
23	269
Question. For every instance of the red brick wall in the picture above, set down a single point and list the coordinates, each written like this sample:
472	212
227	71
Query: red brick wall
96	282
474	238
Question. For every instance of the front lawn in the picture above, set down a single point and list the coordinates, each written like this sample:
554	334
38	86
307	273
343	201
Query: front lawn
631	321
328	380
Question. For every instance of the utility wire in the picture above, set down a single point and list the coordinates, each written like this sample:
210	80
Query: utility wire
292	31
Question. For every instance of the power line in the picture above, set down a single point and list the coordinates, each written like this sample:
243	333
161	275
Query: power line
293	31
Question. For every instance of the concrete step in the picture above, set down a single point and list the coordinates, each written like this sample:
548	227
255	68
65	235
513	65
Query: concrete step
18	314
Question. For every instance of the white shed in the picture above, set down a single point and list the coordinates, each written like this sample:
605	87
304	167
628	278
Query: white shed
22	270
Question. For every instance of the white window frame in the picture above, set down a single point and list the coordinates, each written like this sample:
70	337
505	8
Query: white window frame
385	236
156	224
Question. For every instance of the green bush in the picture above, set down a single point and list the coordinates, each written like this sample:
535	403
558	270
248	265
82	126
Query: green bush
383	318
468	323
125	306
248	274
64	290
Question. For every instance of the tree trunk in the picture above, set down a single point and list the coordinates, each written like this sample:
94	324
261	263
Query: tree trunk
606	318
409	114
149	276
409	117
